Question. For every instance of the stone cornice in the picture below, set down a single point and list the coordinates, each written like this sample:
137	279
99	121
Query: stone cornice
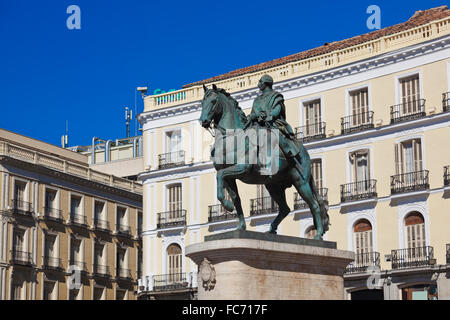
314	78
69	177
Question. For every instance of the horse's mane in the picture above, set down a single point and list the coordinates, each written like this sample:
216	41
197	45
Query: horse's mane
234	102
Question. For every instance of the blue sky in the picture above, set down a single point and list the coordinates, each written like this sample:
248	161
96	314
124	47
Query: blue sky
50	74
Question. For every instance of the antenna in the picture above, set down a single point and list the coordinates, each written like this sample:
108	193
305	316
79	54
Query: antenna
65	138
128	117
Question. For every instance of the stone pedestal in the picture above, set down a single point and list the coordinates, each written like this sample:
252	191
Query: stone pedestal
245	265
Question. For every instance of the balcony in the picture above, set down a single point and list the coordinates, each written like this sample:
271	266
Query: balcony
218	213
363	261
357	122
360	190
101	225
300	204
78	219
170	160
21	257
412	257
52	214
101	271
123	274
447	176
52	263
311	132
409	182
79	265
260	206
446	102
123	229
174	218
170	282
406	111
21	207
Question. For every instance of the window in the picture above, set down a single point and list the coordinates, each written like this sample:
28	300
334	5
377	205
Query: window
50	246
139	263
121	217
310	233
20	195
49	290
19	240
18	289
74	294
120	261
99	212
410	95
363	238
316	171
75	251
99	256
408	156
140	222
312	118
50	199
120	294
415	231
75	206
359	107
360	165
174	262
99	293
174	203
173	142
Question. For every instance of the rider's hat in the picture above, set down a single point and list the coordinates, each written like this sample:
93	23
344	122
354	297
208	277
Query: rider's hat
266	79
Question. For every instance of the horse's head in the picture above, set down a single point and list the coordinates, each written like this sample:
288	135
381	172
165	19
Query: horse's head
210	107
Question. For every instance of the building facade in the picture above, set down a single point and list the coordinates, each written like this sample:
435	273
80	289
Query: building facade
67	231
373	112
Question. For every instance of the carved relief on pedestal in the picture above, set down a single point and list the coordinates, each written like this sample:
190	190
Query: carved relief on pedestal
207	274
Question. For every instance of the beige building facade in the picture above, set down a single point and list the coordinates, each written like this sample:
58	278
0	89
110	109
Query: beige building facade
373	113
67	231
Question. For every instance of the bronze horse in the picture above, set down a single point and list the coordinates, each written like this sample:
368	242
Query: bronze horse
221	112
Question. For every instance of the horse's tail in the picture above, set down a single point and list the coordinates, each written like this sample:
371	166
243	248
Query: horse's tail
323	208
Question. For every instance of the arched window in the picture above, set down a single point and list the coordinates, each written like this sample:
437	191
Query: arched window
415	230
310	233
174	267
363	237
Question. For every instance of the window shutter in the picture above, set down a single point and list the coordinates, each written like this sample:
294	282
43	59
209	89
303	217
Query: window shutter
417	155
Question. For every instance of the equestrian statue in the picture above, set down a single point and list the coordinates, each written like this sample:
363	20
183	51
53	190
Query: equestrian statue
222	113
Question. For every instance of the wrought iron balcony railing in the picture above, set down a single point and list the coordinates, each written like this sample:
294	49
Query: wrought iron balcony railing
52	263
299	203
446	102
52	214
123	229
363	261
172	159
311	132
412	257
124	274
357	122
448	254
21	257
409	110
218	213
101	225
78	264
360	190
78	219
175	281
172	218
21	207
100	270
265	205
447	176
408	182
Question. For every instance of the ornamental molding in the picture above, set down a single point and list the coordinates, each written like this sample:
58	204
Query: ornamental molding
379	61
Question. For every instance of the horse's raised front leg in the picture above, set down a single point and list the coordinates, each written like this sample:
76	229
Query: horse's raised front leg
226	178
279	196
